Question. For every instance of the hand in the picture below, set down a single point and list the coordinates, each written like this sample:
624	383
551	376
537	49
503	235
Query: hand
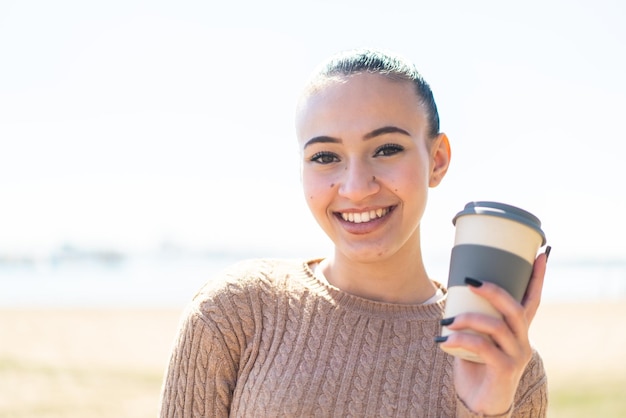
503	345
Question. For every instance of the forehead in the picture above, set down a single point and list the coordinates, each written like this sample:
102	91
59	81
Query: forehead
358	102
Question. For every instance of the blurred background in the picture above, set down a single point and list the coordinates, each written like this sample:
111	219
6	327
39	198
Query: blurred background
146	144
134	130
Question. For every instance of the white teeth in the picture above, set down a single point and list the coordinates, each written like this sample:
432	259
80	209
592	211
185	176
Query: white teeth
361	217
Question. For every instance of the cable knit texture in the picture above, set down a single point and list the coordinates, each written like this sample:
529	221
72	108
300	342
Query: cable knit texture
268	339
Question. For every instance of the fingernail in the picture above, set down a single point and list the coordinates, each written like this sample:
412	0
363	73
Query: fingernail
548	249
441	339
447	321
473	282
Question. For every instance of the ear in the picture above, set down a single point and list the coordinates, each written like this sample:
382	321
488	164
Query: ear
440	155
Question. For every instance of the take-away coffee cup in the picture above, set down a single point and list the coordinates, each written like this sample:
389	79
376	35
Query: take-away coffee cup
494	242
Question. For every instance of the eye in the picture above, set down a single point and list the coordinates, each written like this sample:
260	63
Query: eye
388	150
324	157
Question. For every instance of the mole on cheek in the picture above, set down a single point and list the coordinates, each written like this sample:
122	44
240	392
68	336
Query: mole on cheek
332	185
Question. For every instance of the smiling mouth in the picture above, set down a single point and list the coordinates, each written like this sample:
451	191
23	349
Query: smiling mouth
367	216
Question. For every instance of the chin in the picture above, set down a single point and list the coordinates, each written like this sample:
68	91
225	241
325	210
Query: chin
365	255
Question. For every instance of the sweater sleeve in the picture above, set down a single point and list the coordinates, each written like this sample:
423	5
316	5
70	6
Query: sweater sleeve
202	372
531	398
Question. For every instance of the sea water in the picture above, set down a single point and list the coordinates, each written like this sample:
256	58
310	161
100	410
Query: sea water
171	281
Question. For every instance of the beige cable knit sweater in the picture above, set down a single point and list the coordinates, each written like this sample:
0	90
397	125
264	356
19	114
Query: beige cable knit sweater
268	339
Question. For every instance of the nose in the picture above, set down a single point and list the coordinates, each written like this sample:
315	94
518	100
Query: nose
358	182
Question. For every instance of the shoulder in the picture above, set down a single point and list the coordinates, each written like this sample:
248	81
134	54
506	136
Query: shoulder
249	280
239	299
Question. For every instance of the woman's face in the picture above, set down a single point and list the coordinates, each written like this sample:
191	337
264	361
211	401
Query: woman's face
367	164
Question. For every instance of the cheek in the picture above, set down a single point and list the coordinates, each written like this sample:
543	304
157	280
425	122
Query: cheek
406	179
316	190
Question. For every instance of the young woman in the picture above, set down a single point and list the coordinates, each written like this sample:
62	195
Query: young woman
356	333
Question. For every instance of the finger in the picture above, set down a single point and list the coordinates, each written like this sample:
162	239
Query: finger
512	312
479	344
494	328
532	297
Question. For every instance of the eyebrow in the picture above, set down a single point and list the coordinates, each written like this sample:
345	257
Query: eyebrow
323	139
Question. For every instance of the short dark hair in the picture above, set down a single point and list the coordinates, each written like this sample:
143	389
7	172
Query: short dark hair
378	62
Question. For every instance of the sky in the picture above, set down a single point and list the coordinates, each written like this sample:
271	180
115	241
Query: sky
128	124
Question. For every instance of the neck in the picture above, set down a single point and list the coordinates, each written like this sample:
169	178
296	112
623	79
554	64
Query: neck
398	279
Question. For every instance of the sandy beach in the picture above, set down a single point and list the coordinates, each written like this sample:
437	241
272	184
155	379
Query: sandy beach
109	363
581	340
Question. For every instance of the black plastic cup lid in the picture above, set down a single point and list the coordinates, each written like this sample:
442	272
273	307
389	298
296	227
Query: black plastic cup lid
503	210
